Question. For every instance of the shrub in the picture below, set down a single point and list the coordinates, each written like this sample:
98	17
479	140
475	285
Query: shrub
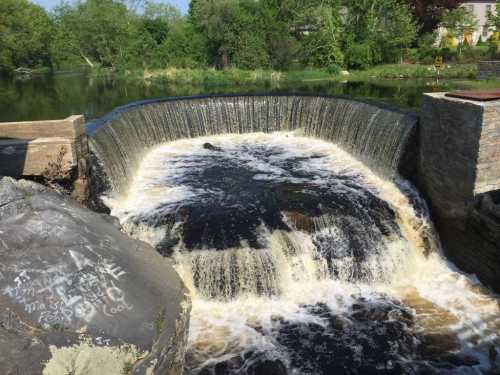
448	54
412	55
476	53
334	69
360	56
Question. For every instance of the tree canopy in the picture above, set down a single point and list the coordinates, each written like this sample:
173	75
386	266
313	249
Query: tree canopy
25	35
249	34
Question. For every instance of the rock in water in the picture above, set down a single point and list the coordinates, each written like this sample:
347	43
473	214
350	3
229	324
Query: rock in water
211	147
78	296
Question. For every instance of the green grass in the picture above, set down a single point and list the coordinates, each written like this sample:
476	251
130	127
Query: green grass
210	77
405	71
233	76
240	77
308	74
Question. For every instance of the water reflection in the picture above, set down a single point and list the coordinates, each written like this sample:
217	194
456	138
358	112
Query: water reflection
58	96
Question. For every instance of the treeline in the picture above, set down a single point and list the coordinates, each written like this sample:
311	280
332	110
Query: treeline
248	34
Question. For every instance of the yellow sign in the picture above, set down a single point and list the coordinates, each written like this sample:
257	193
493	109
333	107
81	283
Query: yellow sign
439	64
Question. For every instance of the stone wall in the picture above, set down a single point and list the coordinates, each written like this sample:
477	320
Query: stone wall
488	69
459	174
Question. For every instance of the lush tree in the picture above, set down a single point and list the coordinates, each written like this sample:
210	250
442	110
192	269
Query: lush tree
100	32
219	21
25	35
184	46
494	25
458	23
248	34
239	32
319	27
429	12
159	18
377	31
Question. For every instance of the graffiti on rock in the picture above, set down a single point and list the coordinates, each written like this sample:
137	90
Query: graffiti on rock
77	290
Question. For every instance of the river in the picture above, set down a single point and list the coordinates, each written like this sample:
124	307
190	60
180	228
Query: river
57	96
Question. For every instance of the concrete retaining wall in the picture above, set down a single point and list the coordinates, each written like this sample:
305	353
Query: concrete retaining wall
54	150
459	175
488	69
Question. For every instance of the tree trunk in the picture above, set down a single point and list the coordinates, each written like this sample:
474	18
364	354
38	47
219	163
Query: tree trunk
225	60
87	60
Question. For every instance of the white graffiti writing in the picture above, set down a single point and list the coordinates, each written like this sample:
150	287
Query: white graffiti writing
60	293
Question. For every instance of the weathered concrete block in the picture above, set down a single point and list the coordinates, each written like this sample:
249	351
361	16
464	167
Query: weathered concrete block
53	150
71	127
459	166
77	296
459	151
38	157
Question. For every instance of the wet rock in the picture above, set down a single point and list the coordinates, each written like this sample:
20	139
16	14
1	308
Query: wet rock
78	296
248	363
268	367
211	147
301	222
356	345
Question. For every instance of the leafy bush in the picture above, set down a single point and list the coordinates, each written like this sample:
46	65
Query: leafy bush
334	69
360	56
412	55
476	53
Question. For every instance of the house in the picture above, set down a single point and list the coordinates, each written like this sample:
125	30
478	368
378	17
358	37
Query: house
480	9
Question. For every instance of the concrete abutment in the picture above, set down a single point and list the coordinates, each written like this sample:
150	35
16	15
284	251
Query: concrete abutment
51	150
459	175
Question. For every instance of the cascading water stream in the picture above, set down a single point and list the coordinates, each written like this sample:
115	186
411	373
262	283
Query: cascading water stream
379	137
299	259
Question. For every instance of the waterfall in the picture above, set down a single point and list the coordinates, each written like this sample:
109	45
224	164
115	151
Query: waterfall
378	136
300	259
304	248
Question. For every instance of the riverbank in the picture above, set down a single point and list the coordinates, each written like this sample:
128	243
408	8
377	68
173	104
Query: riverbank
96	92
242	77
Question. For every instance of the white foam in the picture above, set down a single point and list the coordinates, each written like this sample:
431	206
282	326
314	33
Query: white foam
408	268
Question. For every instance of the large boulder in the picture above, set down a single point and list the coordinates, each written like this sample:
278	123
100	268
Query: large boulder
77	296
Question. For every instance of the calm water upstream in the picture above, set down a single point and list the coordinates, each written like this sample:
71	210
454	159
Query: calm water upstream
61	95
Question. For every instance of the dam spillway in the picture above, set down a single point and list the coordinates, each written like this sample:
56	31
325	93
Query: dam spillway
374	134
304	248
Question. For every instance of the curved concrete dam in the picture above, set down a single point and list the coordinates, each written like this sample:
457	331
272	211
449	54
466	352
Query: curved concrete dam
293	223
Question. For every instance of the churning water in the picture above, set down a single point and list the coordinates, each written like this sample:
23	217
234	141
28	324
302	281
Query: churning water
302	261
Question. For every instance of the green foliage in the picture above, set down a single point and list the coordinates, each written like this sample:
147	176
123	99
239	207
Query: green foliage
184	47
100	32
394	71
317	28
458	22
383	28
219	21
494	25
121	35
159	19
494	18
362	55
251	52
334	69
25	35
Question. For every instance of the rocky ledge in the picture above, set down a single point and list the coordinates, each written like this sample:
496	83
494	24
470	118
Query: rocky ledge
77	296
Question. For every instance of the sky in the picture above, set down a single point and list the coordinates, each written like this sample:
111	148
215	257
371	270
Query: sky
181	4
